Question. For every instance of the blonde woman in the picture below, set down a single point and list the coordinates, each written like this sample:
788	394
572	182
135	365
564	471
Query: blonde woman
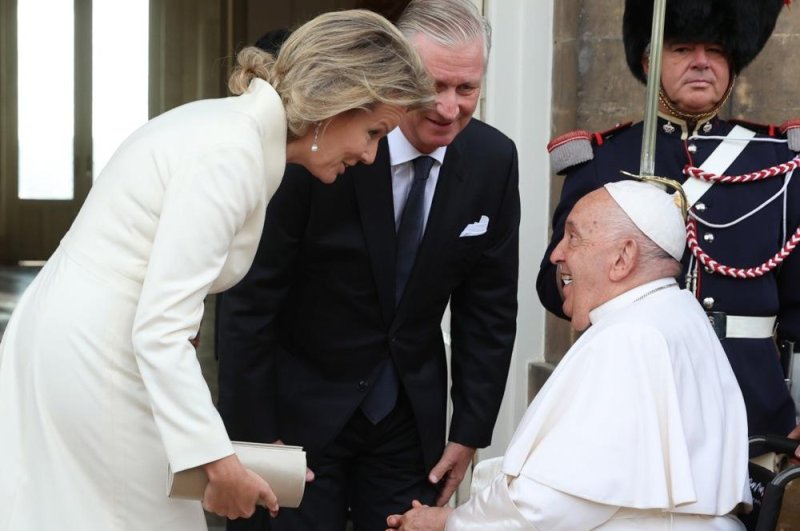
100	388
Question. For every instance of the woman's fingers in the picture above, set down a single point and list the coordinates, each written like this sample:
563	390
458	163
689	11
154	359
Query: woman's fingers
266	497
234	491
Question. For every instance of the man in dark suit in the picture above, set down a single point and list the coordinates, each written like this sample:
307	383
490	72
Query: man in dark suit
333	340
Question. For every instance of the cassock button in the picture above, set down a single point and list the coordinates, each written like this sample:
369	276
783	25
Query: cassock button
709	270
708	303
700	207
709	237
363	385
692	148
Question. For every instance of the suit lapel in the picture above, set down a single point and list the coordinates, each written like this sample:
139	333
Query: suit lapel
373	186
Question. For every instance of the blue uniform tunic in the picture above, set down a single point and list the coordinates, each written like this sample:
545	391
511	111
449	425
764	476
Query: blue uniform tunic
745	244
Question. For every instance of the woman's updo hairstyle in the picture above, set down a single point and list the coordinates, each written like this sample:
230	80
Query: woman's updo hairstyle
338	61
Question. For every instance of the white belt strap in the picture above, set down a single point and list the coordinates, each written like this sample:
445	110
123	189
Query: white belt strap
743	326
718	162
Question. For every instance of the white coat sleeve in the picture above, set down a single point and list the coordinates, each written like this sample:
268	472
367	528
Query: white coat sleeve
524	504
204	206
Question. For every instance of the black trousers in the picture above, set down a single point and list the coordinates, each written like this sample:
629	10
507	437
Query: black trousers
367	473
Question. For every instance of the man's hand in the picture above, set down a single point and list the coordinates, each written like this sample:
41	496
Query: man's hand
419	518
450	469
309	472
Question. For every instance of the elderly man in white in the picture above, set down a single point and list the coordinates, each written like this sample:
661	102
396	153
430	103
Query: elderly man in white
642	425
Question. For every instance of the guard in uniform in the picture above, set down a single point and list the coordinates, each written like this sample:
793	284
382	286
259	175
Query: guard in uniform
745	218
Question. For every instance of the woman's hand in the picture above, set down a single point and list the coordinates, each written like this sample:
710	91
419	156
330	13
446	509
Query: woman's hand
234	491
419	518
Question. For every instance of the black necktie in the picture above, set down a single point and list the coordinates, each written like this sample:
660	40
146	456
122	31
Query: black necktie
382	398
409	233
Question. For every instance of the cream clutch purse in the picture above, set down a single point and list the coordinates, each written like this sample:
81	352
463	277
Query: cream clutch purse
282	466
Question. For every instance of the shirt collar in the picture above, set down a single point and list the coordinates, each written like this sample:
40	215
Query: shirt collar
401	150
629	297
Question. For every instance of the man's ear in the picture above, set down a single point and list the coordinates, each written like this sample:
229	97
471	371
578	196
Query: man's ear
627	256
646	64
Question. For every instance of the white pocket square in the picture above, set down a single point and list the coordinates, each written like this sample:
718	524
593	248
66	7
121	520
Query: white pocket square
477	228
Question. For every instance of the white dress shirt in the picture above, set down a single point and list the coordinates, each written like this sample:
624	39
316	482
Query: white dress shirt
401	156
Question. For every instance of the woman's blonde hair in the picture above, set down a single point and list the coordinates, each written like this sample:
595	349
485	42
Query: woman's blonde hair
337	62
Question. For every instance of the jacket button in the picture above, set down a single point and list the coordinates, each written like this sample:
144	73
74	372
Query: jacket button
363	385
700	207
708	303
692	148
709	237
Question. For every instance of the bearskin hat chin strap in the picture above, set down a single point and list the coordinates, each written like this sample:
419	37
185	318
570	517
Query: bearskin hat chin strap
694	117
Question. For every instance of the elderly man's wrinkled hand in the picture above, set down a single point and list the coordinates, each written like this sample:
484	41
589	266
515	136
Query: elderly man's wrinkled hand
419	518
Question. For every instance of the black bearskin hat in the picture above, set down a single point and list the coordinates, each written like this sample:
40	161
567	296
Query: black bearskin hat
742	27
272	41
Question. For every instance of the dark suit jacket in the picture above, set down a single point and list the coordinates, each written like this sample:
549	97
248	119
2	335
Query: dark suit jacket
300	338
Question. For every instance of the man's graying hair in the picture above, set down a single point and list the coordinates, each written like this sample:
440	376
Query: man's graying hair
447	22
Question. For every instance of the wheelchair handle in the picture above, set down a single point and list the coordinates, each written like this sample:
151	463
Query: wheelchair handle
775	443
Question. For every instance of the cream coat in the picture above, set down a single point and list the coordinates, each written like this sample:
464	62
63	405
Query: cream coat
99	386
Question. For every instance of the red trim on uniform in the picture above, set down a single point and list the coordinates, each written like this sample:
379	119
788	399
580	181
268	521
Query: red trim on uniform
618	127
568	137
598	139
790	124
769	129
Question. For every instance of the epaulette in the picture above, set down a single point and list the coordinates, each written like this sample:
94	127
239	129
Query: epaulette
575	147
791	128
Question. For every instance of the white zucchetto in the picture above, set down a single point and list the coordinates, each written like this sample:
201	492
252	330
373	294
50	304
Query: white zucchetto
654	212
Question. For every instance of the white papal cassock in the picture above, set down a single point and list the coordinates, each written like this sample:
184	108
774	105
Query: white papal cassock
641	426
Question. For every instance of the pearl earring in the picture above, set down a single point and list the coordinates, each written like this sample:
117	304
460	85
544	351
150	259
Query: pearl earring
314	146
